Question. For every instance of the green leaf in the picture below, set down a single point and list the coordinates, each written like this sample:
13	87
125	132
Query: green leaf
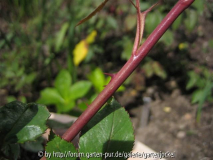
191	19
79	89
158	70
203	96
152	20
10	99
97	78
127	49
50	96
199	5
109	131
167	38
112	22
82	106
2	43
22	122
193	77
148	69
197	96
30	77
60	36
63	83
61	150
66	106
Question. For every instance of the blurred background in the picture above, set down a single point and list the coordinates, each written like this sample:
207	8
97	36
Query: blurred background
44	58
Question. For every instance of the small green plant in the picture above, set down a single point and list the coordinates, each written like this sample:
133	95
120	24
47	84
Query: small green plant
64	94
152	68
201	81
99	81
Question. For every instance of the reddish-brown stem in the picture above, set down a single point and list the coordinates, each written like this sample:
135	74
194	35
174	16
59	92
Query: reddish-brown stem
126	70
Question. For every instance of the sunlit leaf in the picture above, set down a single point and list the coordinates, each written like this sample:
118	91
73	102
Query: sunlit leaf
68	105
97	78
91	37
63	83
50	96
79	89
80	52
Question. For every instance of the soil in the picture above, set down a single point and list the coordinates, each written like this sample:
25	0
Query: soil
172	127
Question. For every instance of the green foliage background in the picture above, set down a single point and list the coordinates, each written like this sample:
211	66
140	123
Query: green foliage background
37	39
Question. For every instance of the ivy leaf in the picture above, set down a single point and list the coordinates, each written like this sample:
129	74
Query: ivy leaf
109	131
61	149
22	122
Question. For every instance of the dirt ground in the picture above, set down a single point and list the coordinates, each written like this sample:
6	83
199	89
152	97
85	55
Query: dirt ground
172	127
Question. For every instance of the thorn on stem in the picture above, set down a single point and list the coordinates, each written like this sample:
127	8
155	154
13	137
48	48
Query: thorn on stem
112	75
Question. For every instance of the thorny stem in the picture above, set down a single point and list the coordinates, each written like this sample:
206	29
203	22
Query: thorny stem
140	24
126	70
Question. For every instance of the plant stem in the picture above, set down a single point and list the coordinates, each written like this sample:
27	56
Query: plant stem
126	70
